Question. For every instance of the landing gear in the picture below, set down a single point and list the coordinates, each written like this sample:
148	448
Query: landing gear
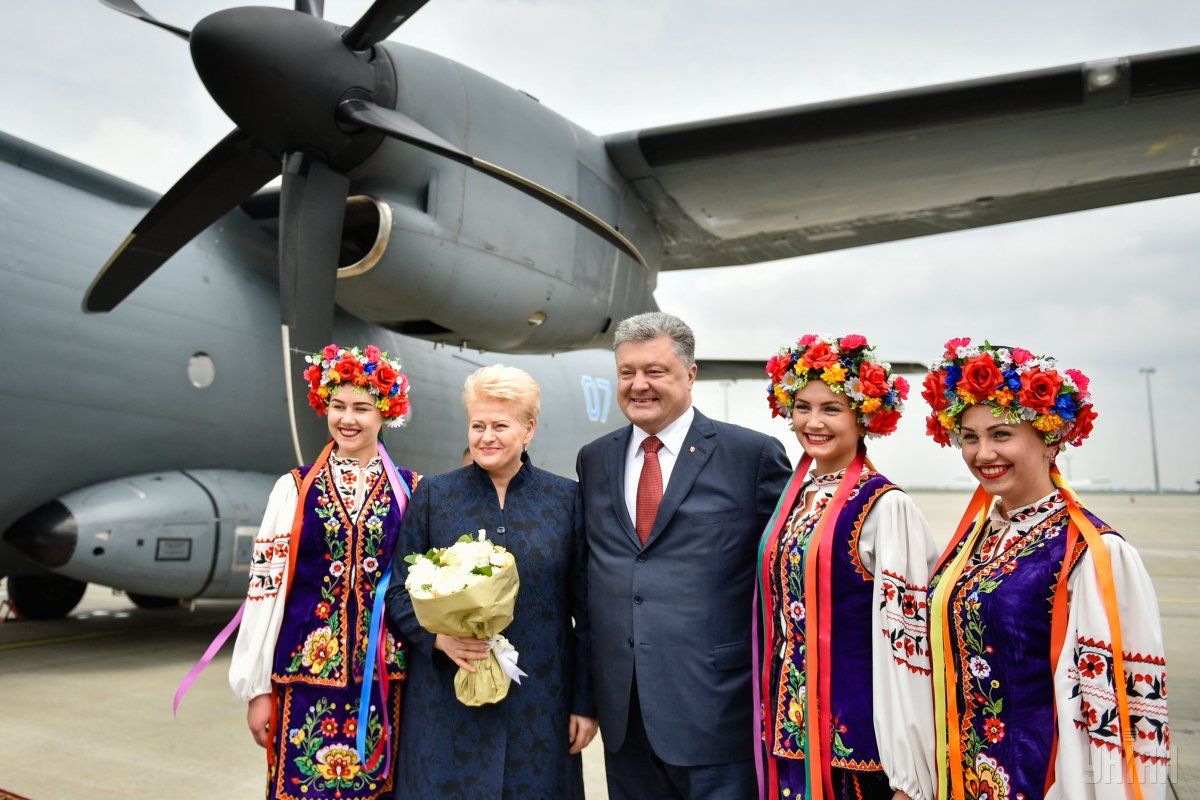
44	596
151	601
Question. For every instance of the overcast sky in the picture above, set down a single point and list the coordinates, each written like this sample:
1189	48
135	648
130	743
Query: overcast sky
1106	291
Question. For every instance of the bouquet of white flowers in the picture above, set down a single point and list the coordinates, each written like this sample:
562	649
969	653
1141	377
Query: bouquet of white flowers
470	589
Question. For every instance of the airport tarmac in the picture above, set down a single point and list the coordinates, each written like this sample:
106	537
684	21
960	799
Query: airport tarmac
86	701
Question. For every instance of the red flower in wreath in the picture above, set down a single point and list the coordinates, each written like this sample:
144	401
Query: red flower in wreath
777	366
935	390
1084	418
935	429
981	377
384	378
348	367
873	380
819	356
884	421
1039	389
317	402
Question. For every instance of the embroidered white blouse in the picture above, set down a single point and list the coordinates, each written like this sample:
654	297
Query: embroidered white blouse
1088	766
896	547
254	650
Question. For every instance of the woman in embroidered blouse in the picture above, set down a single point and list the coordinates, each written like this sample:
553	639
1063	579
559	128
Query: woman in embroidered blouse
851	536
1027	704
301	650
527	745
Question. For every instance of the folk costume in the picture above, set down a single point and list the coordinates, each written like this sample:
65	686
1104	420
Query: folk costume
311	633
1048	652
843	570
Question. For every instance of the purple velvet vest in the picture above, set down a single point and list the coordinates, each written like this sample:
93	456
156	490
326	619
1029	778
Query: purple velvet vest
851	702
327	616
1000	644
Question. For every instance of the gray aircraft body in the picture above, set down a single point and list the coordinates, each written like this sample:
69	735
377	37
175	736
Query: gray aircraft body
142	442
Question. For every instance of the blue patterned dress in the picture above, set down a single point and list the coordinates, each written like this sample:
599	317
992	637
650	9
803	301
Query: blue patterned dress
517	748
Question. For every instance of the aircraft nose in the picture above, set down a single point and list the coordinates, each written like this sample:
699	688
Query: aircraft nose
47	535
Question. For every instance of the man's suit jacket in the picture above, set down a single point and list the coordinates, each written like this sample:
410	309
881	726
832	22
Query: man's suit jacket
679	608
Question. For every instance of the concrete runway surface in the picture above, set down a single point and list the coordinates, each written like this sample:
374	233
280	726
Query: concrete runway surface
85	702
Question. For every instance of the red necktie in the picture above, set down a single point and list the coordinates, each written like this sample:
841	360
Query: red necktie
650	489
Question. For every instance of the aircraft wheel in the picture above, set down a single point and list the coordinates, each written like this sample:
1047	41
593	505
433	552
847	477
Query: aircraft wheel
152	601
44	596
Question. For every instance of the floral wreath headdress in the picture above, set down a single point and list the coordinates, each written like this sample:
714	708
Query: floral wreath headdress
369	370
1019	386
848	366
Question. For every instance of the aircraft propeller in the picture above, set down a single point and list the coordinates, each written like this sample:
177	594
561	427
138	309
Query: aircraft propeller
328	114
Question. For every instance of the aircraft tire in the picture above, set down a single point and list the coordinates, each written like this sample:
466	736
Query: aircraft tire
44	596
152	601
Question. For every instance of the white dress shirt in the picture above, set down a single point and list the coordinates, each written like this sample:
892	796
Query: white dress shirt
672	438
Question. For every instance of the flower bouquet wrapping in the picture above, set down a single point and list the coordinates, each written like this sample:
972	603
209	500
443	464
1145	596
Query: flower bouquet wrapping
470	589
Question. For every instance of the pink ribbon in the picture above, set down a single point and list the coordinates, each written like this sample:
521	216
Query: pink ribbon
208	656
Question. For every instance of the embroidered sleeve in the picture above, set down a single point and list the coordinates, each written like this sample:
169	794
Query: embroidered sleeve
896	547
254	649
1089	760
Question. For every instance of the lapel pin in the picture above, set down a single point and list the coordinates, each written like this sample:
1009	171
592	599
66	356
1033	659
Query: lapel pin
692	449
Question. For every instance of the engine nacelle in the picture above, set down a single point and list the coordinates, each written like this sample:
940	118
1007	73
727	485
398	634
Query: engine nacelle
169	534
394	274
439	251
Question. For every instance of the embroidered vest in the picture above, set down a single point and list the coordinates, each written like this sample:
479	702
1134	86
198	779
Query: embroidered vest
851	702
327	615
1000	613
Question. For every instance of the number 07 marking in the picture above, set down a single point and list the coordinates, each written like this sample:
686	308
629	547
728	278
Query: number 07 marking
597	397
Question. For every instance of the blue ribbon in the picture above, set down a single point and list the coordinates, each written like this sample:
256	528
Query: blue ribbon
373	636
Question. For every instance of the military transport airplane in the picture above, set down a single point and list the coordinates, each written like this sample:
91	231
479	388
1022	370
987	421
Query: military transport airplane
448	215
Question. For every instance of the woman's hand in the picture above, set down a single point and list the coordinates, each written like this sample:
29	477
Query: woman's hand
581	731
900	795
462	650
258	717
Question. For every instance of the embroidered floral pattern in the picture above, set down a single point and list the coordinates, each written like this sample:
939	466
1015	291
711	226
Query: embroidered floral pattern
322	756
268	565
981	695
1146	687
986	780
906	617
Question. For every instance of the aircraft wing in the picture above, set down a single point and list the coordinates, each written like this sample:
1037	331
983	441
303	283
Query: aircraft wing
828	176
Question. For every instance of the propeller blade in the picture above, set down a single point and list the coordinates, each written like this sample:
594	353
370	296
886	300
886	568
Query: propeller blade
224	177
379	22
314	8
131	9
399	126
311	211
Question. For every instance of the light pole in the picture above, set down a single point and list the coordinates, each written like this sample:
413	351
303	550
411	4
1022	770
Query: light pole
1148	371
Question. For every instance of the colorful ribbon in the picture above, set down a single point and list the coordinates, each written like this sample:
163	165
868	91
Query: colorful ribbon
760	645
818	628
945	676
375	637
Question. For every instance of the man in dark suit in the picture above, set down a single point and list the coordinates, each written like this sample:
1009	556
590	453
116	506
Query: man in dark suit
674	505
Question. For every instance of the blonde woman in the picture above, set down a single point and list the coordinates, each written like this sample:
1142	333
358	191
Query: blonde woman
527	745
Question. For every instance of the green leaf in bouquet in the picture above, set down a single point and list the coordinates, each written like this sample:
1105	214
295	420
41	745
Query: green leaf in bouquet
483	571
466	537
412	559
